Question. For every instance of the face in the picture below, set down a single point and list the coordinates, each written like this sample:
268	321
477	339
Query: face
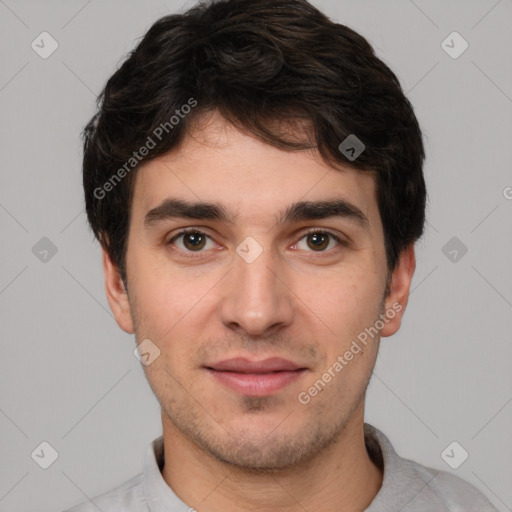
286	261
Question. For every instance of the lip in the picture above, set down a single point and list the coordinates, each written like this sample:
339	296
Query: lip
256	378
243	365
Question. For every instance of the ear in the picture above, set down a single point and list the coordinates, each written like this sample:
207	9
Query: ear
399	286
117	295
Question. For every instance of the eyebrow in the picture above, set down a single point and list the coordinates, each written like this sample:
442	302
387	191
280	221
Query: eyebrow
172	208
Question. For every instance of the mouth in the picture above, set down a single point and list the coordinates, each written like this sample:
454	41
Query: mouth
256	378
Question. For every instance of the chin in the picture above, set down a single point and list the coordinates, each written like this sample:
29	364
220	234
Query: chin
262	455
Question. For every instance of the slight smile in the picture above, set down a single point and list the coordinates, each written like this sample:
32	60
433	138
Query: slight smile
256	378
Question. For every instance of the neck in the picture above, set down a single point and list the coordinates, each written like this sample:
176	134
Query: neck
343	478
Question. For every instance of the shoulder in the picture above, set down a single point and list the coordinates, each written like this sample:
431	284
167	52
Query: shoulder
129	497
447	491
409	486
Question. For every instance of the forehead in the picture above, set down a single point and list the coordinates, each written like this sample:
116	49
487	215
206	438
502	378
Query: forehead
218	163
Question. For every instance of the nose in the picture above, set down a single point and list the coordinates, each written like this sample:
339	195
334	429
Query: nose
256	297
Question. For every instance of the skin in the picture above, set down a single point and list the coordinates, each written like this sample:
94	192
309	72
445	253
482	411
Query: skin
225	451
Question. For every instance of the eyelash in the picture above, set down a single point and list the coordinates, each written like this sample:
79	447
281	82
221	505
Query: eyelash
190	254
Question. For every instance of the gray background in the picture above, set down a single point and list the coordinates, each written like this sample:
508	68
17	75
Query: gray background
67	372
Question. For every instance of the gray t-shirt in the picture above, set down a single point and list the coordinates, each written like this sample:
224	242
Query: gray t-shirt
407	486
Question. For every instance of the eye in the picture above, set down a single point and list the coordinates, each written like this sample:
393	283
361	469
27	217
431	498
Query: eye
193	240
319	241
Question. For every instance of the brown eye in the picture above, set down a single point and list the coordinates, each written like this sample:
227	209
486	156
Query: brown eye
191	241
318	241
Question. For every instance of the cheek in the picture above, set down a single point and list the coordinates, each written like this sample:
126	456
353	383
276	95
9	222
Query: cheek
164	291
167	306
345	302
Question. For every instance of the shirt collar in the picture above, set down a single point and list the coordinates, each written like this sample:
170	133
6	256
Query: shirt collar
159	496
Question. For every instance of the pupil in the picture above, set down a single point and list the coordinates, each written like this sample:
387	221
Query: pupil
194	239
318	240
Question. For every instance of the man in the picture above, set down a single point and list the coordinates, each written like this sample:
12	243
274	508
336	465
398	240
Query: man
254	175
